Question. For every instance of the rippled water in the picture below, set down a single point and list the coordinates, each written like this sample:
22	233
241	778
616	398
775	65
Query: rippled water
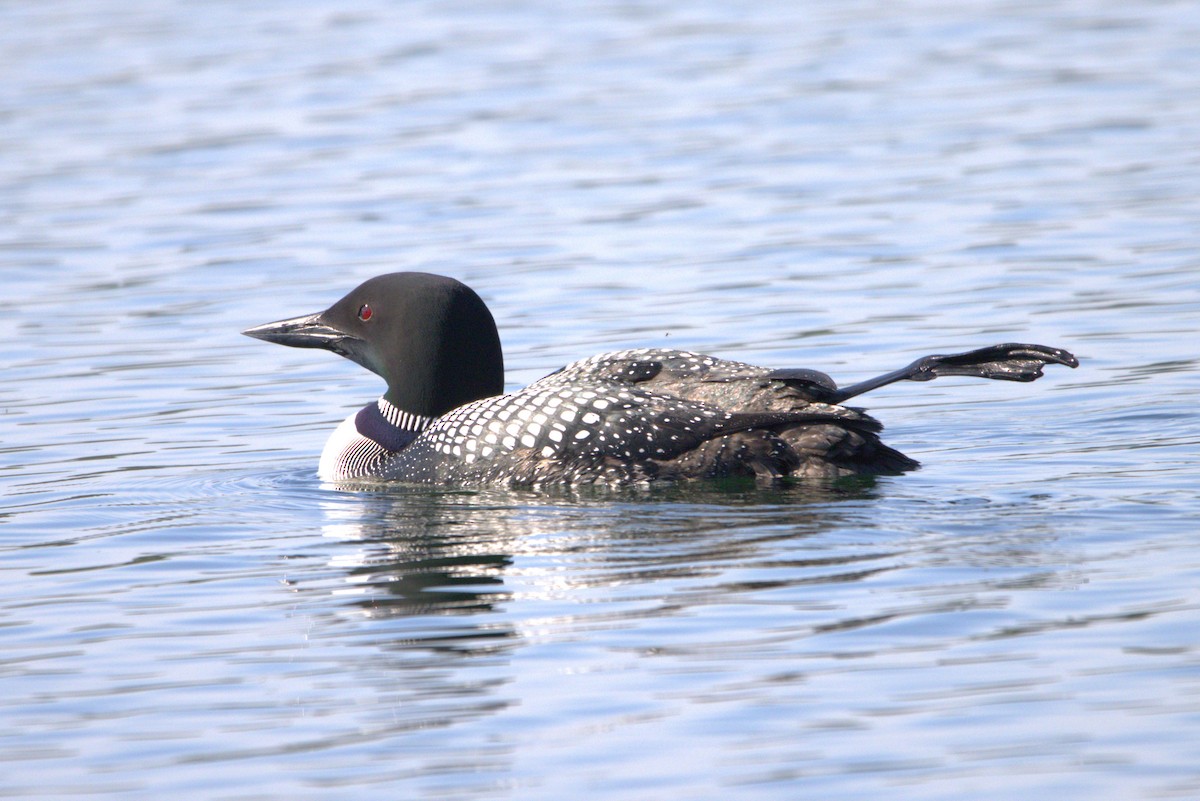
186	611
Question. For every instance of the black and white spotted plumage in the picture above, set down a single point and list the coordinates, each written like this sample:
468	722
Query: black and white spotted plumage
606	420
619	418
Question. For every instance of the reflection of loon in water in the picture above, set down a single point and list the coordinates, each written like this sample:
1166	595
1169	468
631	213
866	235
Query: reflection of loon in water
415	552
412	553
435	605
618	418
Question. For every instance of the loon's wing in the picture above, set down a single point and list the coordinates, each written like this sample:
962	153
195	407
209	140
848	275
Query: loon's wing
634	434
737	386
730	385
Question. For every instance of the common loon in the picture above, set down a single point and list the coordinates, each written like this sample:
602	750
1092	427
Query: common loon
628	417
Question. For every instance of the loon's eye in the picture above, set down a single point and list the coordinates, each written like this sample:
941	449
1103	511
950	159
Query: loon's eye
364	312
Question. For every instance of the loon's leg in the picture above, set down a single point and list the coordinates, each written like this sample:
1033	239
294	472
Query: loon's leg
1009	362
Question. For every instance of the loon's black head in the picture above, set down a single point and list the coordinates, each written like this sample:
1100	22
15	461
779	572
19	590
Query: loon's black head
431	338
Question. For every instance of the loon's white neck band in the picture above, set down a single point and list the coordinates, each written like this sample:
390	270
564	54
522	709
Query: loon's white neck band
402	419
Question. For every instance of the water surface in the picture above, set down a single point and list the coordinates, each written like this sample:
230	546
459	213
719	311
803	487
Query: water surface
187	611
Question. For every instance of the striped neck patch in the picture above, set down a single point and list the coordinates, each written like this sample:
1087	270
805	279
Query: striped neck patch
402	419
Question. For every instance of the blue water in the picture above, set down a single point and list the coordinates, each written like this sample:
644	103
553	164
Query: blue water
187	612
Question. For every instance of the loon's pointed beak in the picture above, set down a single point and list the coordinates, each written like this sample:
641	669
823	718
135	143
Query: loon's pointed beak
312	331
309	331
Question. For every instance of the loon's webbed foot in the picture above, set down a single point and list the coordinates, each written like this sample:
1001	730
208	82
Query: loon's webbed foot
1008	362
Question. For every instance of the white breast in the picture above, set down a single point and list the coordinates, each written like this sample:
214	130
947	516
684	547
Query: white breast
344	440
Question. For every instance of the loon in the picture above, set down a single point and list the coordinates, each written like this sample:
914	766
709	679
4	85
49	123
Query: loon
622	418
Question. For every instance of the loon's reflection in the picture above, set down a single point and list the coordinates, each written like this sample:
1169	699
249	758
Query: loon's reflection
445	553
428	595
422	553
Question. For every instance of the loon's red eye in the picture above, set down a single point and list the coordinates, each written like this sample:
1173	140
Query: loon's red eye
364	312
